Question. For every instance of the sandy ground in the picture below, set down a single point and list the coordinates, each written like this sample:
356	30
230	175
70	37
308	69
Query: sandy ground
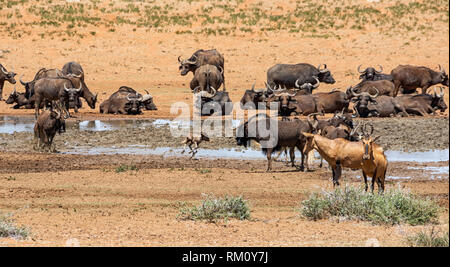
103	208
66	196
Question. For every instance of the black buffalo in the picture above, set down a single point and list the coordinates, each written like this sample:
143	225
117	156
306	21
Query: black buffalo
289	74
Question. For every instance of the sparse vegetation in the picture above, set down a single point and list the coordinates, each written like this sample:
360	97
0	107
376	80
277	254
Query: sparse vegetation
428	239
315	19
214	209
124	168
394	207
10	230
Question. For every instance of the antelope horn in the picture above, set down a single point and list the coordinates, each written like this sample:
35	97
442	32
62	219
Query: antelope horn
441	91
195	89
146	92
371	128
221	70
4	71
440	67
179	59
253	87
352	132
359	70
65	88
79	88
14	92
381	69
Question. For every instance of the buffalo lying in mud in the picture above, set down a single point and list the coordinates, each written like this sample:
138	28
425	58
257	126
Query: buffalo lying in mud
216	103
6	76
199	58
371	104
252	98
301	104
384	87
409	78
421	104
293	75
127	101
20	100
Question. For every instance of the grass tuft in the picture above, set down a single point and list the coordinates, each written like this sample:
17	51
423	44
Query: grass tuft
393	207
214	209
428	239
8	229
124	168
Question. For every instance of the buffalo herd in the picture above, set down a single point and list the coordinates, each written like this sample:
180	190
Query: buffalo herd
289	89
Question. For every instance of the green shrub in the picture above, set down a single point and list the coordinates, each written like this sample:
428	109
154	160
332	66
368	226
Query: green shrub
124	168
393	207
8	229
428	239
213	209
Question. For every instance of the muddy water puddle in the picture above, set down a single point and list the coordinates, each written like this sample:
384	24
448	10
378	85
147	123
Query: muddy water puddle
422	141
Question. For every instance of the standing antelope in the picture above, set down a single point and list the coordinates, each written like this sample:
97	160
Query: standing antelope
364	155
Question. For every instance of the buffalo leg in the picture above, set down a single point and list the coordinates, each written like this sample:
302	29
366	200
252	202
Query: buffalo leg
269	159
424	89
292	155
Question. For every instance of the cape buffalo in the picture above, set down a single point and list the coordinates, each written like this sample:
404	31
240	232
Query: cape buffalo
207	76
409	78
64	89
252	97
422	104
217	102
75	69
42	73
368	104
147	99
199	58
289	134
293	103
307	87
371	74
290	74
47	124
331	102
125	101
6	76
384	87
20	100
